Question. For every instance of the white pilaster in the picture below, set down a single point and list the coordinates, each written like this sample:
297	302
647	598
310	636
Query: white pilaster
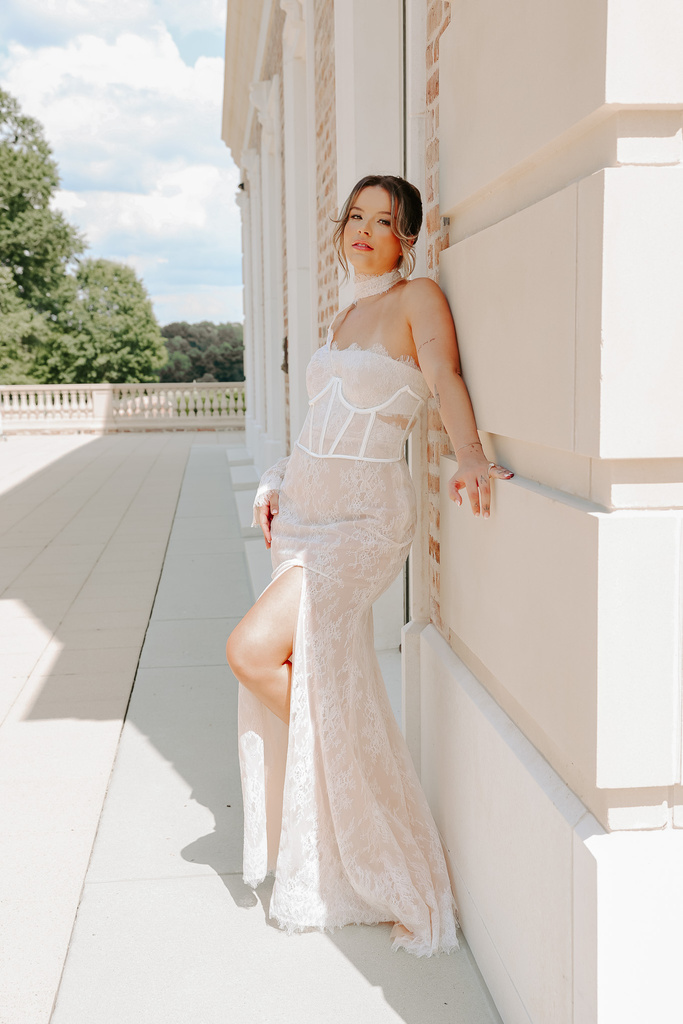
265	98
416	111
298	192
310	157
369	89
255	423
368	55
244	203
418	563
369	126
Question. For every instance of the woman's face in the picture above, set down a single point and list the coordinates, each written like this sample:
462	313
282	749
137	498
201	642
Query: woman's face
370	246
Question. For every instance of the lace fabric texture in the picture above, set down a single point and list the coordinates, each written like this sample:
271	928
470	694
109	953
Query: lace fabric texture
333	805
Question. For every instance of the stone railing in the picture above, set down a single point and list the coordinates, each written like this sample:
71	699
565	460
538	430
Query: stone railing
107	408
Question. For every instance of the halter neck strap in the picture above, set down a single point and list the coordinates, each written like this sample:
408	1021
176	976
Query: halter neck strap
374	284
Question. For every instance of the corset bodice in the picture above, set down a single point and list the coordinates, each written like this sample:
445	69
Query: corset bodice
362	404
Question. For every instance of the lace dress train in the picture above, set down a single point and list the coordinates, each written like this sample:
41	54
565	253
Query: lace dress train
333	805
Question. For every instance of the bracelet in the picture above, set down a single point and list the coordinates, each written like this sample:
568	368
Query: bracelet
469	443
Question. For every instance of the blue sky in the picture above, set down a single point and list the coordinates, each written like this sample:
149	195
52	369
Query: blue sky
129	93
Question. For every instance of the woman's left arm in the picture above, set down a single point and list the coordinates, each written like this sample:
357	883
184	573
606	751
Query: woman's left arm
433	330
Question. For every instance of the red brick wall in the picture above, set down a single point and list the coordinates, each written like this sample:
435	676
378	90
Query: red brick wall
326	163
438	17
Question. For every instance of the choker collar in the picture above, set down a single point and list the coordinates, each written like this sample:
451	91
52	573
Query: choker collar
374	284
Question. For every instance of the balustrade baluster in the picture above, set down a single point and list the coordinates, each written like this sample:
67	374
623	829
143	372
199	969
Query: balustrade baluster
40	405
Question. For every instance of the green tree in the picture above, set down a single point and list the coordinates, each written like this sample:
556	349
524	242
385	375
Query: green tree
108	331
203	352
22	332
36	243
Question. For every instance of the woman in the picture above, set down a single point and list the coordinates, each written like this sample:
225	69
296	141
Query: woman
332	802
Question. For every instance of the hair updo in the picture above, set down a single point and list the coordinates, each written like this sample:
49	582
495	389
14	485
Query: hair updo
406	217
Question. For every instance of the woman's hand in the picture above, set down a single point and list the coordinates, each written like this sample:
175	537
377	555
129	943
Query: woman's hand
264	515
474	472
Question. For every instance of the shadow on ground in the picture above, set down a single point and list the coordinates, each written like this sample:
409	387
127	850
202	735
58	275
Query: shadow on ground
96	524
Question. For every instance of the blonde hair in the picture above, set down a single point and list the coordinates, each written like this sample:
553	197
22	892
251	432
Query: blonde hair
406	217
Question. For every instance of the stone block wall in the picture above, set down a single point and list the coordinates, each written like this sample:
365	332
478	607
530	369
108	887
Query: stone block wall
551	716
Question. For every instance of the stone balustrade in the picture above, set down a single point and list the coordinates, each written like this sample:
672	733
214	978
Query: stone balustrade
108	408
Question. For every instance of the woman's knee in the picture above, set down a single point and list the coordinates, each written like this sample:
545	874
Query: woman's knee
237	651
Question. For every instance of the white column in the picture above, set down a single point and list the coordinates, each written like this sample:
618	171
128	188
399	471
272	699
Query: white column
255	424
368	50
369	89
416	111
368	53
418	561
297	205
265	98
244	204
310	155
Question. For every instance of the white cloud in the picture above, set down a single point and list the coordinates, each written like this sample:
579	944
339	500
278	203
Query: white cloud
136	133
184	233
219	304
183	202
119	111
188	17
62	19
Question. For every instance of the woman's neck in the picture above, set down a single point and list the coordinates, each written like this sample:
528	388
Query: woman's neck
374	284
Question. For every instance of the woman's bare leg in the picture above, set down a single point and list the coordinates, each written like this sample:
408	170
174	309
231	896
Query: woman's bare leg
259	648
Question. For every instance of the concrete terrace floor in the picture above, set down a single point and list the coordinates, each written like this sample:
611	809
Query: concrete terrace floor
124	562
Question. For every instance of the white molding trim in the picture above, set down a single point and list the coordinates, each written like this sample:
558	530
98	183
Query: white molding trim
266	15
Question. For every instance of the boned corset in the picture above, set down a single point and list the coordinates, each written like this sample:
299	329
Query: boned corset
336	429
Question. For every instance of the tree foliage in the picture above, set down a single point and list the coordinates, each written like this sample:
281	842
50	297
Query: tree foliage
68	321
36	243
203	352
22	332
56	325
107	330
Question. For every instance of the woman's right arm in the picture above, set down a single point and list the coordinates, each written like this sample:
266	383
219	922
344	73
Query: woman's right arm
266	502
430	319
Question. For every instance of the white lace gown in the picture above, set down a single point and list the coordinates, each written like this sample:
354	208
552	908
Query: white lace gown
333	805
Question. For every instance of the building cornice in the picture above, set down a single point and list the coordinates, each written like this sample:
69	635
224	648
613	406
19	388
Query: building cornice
246	36
294	31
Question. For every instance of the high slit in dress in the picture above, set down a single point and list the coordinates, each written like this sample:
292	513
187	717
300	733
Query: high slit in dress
332	804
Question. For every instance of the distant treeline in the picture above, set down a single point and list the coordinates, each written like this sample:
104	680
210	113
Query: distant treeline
203	352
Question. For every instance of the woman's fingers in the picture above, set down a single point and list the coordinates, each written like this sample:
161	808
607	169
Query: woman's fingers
475	487
273	510
264	520
266	513
454	486
500	472
484	494
478	487
457	483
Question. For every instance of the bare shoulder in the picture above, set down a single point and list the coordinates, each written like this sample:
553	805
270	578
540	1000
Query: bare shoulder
421	293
